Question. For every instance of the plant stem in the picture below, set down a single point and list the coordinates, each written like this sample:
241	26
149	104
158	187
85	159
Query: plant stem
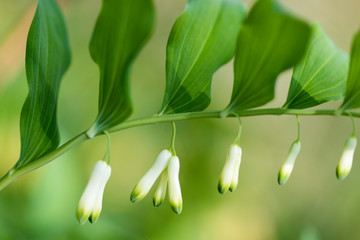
172	144
14	174
298	125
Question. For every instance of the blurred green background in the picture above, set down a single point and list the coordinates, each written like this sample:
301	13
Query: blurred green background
313	205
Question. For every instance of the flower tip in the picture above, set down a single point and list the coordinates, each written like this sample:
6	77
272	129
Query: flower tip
221	188
157	202
283	177
282	181
341	174
135	196
177	208
82	217
93	218
232	187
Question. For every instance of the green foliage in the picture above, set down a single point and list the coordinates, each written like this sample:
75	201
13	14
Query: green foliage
206	36
321	75
270	41
47	58
352	94
121	30
202	39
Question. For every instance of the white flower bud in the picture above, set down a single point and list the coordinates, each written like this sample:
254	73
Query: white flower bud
148	180
90	203
345	163
229	174
287	167
160	193
235	179
175	197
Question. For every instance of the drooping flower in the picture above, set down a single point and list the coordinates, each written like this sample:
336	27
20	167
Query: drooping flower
230	173
90	203
344	166
175	197
168	166
287	167
147	181
160	193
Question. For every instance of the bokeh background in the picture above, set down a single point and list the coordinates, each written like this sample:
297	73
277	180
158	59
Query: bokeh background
313	205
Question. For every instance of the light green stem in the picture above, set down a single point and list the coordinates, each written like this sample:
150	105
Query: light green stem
298	125
14	174
172	143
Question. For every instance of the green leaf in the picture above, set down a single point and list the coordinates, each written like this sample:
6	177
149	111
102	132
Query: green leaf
352	94
47	59
202	39
270	41
321	75
121	30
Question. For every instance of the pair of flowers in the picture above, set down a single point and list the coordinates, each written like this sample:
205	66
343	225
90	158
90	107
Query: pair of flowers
166	164
342	170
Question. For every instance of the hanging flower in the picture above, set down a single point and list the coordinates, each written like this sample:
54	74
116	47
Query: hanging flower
230	173
90	203
160	193
147	181
175	198
168	166
345	163
287	167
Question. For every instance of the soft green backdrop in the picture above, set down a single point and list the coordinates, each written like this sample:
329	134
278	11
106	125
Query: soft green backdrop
41	205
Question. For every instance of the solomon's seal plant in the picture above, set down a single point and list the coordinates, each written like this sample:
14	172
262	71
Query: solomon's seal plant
264	42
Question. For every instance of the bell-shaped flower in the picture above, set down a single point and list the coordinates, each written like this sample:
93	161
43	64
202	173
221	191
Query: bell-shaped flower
230	173
175	197
148	180
160	193
168	166
90	203
287	167
345	163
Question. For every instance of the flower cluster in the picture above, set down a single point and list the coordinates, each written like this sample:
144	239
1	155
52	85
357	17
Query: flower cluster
167	165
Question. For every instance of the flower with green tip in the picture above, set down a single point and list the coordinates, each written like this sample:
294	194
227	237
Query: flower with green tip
160	193
147	181
229	176
344	166
175	197
287	167
167	165
90	203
